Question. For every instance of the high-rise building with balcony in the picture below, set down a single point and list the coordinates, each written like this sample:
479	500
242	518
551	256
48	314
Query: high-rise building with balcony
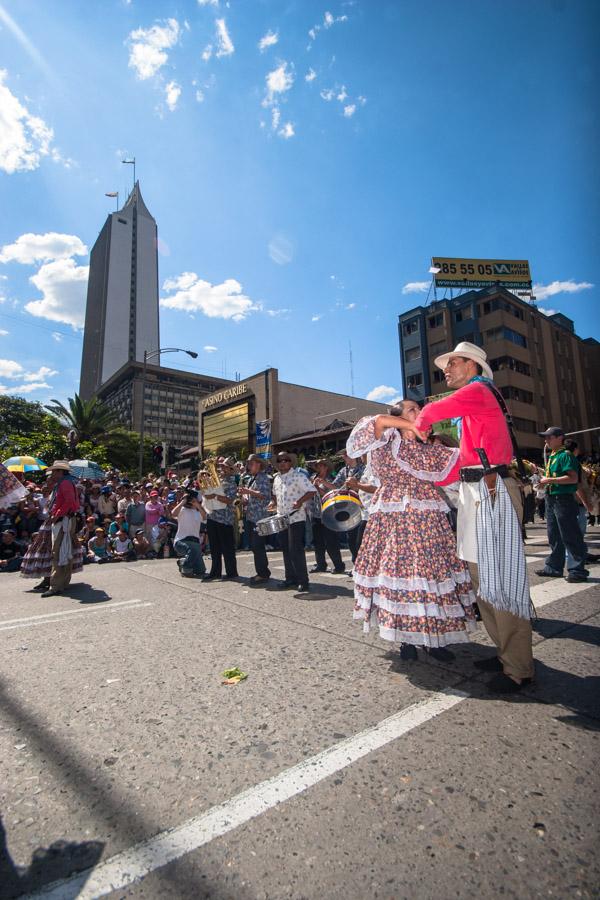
546	373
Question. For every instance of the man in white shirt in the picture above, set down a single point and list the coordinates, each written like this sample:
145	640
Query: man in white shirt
292	489
189	514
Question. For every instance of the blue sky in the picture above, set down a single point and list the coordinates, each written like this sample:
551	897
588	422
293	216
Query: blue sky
304	160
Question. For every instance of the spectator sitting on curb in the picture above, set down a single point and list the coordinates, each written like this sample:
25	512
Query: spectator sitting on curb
98	547
11	551
142	548
122	547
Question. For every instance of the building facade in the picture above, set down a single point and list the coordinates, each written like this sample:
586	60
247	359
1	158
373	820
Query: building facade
302	419
546	373
121	316
170	404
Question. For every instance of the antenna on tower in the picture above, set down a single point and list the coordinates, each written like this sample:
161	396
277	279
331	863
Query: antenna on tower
351	369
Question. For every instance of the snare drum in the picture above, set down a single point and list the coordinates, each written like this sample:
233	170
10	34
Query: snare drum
341	510
271	525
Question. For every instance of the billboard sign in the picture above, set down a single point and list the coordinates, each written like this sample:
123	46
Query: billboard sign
481	273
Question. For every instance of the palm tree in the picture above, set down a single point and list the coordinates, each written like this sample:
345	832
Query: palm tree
90	420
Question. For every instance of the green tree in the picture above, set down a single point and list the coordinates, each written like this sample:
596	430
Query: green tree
19	416
46	442
90	420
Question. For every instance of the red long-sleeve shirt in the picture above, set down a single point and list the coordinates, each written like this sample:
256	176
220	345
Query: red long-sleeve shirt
66	501
483	425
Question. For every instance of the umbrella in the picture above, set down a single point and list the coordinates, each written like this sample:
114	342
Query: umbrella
85	468
24	464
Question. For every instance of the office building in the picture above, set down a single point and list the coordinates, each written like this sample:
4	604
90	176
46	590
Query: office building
170	405
299	419
546	373
121	316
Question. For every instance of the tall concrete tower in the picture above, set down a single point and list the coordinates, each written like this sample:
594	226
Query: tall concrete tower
121	314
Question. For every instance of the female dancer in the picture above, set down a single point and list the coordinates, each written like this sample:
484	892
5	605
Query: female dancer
407	575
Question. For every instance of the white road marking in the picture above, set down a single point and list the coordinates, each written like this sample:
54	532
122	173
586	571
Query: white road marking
48	618
554	589
134	864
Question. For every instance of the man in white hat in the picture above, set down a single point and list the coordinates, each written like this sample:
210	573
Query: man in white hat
65	504
490	506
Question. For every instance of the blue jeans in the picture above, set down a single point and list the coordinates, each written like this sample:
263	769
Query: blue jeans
564	535
192	562
582	522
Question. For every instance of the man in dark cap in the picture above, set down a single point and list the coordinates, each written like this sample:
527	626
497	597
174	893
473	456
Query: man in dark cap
561	482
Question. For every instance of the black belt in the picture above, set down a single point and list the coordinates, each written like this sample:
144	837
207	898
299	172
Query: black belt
191	538
478	474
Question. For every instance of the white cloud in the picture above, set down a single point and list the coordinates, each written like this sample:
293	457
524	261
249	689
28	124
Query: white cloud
209	349
24	388
328	94
328	20
286	131
316	317
172	94
382	393
199	96
343	94
10	369
207	52
208	2
278	81
548	312
3	333
24	139
543	291
63	285
415	287
349	110
310	75
224	42
222	301
351	306
268	40
42	372
274	313
148	46
30	248
281	250
57	336
362	100
275	118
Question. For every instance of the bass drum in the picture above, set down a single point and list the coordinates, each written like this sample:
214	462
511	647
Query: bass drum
341	510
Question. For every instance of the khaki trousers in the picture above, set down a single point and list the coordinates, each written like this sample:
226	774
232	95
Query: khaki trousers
511	635
60	576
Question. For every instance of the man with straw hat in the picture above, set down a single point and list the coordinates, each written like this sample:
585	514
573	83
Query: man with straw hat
257	492
65	505
489	510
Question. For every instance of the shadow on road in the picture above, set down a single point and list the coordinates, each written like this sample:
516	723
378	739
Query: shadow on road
558	628
84	593
108	809
48	864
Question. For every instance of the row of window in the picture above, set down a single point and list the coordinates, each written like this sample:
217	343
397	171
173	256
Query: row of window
507	334
514	393
508	362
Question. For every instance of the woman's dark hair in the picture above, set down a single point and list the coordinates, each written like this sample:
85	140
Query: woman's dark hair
398	408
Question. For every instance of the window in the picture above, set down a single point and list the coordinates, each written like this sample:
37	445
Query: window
485	308
507	362
463	314
412	353
435	321
525	425
438	347
414	380
410	327
507	334
122	221
513	393
438	376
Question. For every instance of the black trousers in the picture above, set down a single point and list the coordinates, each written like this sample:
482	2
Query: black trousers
258	545
324	539
294	557
355	539
222	547
564	532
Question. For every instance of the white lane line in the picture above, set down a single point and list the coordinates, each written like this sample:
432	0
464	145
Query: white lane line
134	864
48	618
554	589
536	558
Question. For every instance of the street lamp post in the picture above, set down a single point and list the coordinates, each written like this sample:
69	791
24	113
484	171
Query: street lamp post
147	356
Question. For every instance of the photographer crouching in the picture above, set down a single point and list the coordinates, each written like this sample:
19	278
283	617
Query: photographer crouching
190	515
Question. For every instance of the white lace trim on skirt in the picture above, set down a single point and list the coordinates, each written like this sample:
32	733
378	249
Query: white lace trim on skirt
394	583
418	638
429	609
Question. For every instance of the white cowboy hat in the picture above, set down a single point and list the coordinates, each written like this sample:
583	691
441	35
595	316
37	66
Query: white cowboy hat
60	464
469	351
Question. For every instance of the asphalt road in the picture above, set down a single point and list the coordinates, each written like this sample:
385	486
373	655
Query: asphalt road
333	771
